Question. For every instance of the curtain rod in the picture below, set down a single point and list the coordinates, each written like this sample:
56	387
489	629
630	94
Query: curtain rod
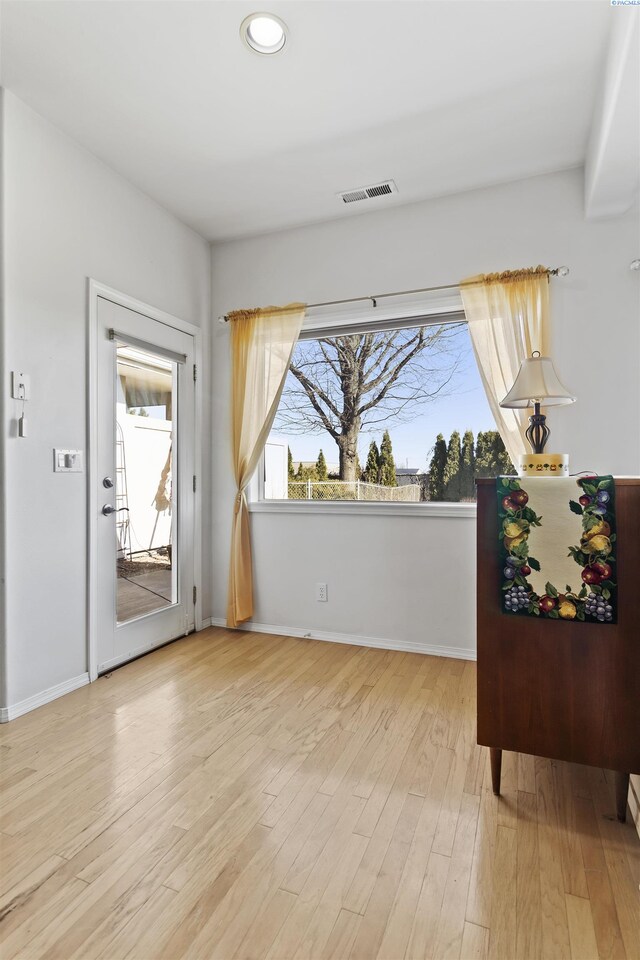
556	272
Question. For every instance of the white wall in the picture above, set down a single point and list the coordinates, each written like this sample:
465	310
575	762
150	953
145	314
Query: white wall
68	217
3	402
412	580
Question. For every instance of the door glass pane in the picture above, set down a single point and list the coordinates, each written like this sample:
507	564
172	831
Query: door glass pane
145	485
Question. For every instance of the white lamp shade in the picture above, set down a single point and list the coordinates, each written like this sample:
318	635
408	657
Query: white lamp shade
537	382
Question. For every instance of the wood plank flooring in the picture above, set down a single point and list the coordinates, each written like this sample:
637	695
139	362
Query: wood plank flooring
235	795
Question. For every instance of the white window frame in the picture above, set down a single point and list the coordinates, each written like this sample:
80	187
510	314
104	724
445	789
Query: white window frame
391	314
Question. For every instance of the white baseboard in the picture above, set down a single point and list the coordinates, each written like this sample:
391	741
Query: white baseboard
39	699
457	653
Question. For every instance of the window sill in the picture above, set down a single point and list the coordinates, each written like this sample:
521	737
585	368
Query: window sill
365	508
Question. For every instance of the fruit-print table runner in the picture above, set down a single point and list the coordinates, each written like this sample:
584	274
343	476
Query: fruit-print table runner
557	541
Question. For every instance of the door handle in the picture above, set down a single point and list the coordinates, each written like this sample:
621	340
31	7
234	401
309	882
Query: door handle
107	510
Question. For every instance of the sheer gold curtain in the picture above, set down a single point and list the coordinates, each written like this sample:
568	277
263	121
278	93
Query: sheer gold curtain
262	342
508	316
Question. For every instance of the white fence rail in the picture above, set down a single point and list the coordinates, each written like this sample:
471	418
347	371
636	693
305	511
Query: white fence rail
350	490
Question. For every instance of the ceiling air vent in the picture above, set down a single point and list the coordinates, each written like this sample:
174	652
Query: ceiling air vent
369	193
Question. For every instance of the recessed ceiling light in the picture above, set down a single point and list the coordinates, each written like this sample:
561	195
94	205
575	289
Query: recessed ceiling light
264	33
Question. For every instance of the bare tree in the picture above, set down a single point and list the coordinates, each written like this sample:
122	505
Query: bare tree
345	384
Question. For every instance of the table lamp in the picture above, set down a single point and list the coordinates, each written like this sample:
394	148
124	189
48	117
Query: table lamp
537	383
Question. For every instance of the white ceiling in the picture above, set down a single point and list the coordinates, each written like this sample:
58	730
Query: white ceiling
440	96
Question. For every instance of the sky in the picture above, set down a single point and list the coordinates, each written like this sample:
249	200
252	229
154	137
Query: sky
465	408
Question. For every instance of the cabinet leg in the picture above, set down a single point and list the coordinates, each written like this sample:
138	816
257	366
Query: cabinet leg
622	792
496	768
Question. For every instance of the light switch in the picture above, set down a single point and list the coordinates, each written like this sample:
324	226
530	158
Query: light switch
67	461
20	385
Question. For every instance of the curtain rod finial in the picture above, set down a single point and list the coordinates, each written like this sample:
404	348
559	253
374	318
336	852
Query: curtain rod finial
563	271
634	265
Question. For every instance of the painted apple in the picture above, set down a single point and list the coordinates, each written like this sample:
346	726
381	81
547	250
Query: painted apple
585	500
604	569
591	575
508	504
520	497
547	603
525	570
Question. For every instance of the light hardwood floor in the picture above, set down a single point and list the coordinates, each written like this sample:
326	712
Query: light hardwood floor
238	795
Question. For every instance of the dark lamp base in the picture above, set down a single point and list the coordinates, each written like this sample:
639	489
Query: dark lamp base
537	432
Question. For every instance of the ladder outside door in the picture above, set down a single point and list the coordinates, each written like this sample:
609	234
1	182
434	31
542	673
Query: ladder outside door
123	527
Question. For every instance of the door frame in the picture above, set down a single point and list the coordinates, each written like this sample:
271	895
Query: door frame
95	289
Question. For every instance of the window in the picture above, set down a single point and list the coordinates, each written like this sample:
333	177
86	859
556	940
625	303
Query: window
390	414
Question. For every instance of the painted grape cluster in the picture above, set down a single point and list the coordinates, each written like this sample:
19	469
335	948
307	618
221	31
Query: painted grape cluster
595	554
516	599
597	607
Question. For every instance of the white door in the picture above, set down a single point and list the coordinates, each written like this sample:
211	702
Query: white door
145	478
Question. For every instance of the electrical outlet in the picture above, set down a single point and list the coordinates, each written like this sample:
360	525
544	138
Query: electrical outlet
321	592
